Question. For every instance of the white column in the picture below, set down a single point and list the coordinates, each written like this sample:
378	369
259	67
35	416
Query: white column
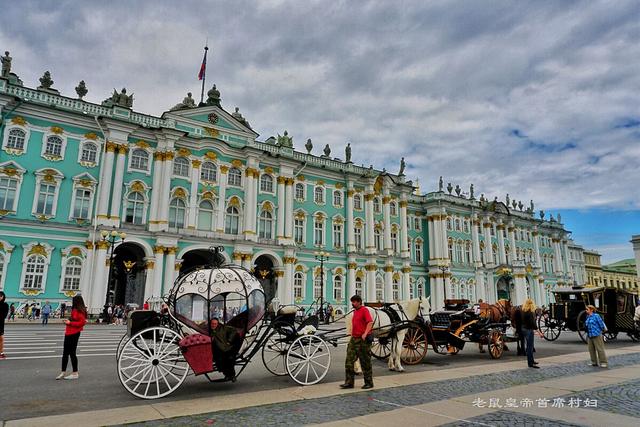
105	182
481	290
492	295
512	243
565	253
475	237
193	193
281	208
536	249
351	240
388	283
351	279
86	279
158	272
169	268
281	287
370	247
371	281
520	284
154	208
116	190
486	228
288	224
222	190
502	259
437	290
165	195
254	202
249	218
288	282
99	288
386	211
406	281
557	262
404	232
431	239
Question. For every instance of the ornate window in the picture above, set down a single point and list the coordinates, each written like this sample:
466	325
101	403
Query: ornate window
317	286
318	195
449	224
53	146
393	208
177	212
318	232
134	213
82	203
8	193
394	240
379	289
357	232
358	286
300	192
337	198
417	224
298	285
266	183
208	172
89	153
418	250
357	202
459	256
337	235
467	252
298	230
265	225
34	272
181	167
465	226
457	224
376	205
337	287
377	237
72	274
450	248
395	286
16	139
205	215
234	177
139	160
231	220
46	199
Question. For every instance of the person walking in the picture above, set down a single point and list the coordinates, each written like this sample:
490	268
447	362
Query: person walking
29	312
12	312
595	326
4	311
75	323
46	312
528	329
63	309
359	345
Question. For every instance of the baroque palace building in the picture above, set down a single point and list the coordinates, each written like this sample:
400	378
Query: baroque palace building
198	176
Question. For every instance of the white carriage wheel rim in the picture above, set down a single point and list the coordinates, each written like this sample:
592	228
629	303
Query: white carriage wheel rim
302	358
162	368
275	355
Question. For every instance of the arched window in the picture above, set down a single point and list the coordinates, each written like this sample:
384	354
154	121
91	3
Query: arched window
235	177
208	172
357	202
357	233
465	226
231	220
337	198
337	288
181	166
266	183
34	272
72	273
482	252
450	247
16	139
318	232
377	237
81	203
265	225
394	240
379	289
53	146
205	215
318	195
358	286
457	224
300	192
337	235
298	285
396	289
467	252
317	286
449	224
494	253
89	152
135	208
8	189
418	251
393	208
459	256
177	212
298	230
140	160
376	205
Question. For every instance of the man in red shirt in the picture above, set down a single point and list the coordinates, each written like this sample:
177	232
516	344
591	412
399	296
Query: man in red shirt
359	346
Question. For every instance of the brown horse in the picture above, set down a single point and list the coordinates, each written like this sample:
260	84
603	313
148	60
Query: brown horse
500	312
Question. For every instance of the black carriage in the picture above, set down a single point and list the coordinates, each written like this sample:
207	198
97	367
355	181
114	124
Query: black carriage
568	312
161	349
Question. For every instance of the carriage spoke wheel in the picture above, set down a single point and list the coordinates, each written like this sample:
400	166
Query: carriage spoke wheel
381	348
580	326
496	344
550	328
274	354
308	359
414	346
151	364
121	344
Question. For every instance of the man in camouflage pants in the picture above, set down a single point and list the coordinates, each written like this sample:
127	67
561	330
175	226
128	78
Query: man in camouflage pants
359	346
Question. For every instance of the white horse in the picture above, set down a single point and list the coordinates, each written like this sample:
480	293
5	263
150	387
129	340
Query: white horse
383	326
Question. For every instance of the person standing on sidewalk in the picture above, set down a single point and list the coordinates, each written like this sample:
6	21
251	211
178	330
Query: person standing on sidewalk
595	326
75	323
359	345
12	312
4	311
46	312
528	329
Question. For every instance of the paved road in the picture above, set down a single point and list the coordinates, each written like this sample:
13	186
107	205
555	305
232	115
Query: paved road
29	389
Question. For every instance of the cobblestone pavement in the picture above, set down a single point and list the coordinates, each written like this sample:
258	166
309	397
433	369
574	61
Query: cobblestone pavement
337	408
622	398
511	419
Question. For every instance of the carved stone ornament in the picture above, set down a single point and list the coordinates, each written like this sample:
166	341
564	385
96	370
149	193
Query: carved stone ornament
18	120
91	135
184	152
285	140
179	192
45	81
213	96
327	151
137	186
458	190
308	146
187	102
6	65
211	132
81	89
119	99
211	155
38	250
449	188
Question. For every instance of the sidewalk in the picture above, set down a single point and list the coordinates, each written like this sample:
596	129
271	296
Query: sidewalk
448	396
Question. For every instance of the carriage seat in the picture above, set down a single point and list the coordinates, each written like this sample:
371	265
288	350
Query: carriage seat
198	353
287	309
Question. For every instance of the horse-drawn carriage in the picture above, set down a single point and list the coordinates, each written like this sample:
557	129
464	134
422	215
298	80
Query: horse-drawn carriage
568	312
160	349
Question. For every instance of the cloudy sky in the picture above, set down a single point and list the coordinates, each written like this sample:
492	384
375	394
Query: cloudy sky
539	100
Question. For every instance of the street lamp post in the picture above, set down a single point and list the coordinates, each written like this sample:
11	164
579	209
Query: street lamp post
322	257
111	238
444	268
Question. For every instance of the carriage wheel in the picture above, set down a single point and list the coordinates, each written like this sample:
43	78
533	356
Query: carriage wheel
381	348
274	354
496	344
634	335
550	328
580	326
121	344
308	359
414	346
151	364
610	336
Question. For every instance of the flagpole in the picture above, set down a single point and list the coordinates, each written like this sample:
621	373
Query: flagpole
204	74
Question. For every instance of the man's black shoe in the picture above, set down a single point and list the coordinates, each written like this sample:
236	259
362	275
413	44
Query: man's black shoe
367	386
346	385
534	366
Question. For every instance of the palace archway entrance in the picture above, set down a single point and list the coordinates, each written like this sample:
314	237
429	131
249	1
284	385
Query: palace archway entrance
265	273
128	275
196	258
504	288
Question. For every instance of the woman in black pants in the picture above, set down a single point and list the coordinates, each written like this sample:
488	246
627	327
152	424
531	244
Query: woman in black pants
529	328
75	323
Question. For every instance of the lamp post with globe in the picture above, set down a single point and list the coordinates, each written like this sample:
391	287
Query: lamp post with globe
322	257
111	238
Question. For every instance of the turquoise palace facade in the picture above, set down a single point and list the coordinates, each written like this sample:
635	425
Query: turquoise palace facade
198	176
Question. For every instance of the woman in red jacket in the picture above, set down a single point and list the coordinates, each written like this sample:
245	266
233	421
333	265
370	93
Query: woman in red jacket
75	323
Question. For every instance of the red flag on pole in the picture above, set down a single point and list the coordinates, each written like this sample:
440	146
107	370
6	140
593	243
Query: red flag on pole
203	67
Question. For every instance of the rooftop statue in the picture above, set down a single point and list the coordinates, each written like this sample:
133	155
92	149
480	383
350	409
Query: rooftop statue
238	116
6	65
45	81
520	205
213	96
285	140
449	187
458	190
308	146
402	166
187	102
471	196
81	89
440	185
120	99
531	205
559	217
541	214
327	151
507	199
347	152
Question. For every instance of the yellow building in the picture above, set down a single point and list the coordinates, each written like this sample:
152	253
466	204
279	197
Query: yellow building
620	275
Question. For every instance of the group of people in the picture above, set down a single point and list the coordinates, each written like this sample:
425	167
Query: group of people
117	314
